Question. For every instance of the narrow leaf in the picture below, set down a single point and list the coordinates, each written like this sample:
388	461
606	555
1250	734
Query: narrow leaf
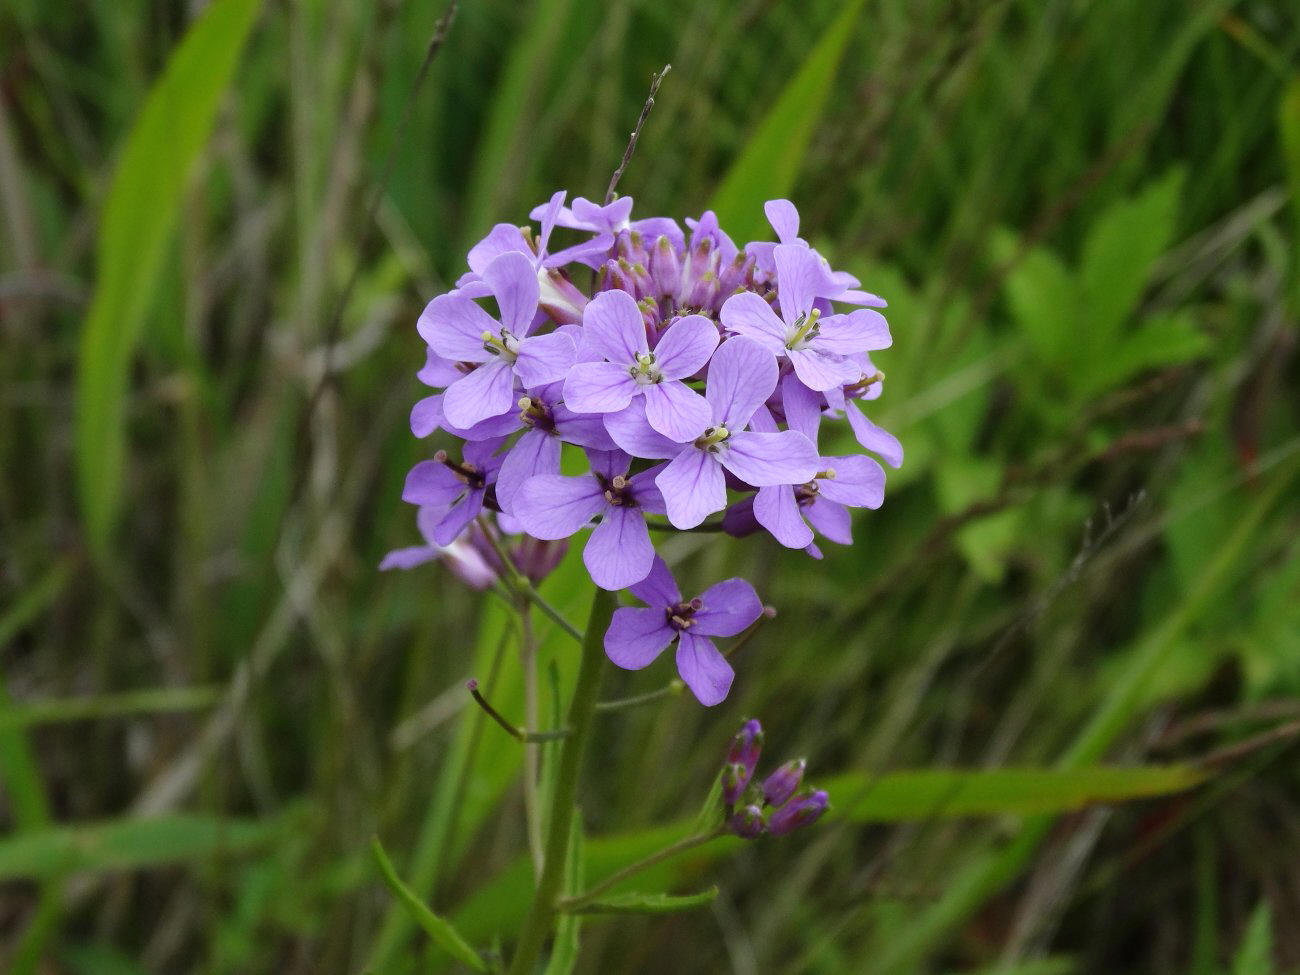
1255	953
770	162
140	213
437	928
650	903
564	953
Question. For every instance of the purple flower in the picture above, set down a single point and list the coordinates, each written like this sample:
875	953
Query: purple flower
876	439
614	330
801	811
458	329
619	552
817	347
637	636
461	557
741	376
781	784
455	489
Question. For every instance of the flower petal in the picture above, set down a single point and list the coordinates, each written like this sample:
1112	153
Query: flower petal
705	670
598	387
504	238
831	520
426	415
619	553
876	439
551	507
582	429
437	372
545	358
612	325
637	636
646	493
513	280
820	370
432	483
800	279
453	325
784	219
776	510
608	463
460	515
409	558
693	487
658	589
676	411
749	315
803	410
742	376
684	349
486	392
762	459
729	607
630	429
859	482
860	331
536	452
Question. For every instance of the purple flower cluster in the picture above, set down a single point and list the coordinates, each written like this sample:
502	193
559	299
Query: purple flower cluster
777	806
692	374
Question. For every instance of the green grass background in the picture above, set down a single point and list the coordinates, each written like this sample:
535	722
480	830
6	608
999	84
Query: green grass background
1085	217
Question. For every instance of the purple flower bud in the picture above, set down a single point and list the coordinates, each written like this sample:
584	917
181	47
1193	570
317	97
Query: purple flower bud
746	747
536	558
781	784
734	779
747	822
800	811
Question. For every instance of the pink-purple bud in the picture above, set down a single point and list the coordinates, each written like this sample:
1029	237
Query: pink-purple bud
734	779
747	822
746	748
537	559
800	811
782	784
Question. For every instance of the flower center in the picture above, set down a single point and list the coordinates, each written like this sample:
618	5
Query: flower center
713	438
618	491
504	345
803	331
467	472
534	413
681	616
644	370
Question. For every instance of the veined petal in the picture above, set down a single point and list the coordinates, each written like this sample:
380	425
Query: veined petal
437	372
684	349
433	484
426	415
598	387
692	486
608	463
504	238
536	452
460	515
613	326
486	392
552	507
582	429
749	315
861	331
762	459
637	636
820	370
776	510
859	482
803	407
630	429
658	589
742	376
646	493
729	607
453	325
676	411
800	279
876	439
546	214
703	669
513	280
831	520
784	218
545	359
619	553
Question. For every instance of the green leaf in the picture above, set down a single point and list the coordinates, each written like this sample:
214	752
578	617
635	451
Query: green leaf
129	844
766	168
1118	254
1044	299
564	953
140	212
439	929
1159	341
928	793
1255	953
650	903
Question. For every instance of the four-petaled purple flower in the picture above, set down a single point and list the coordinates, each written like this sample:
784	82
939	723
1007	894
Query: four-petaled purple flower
619	552
456	488
637	636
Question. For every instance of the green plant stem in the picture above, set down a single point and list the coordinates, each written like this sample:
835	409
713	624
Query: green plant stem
632	869
532	810
542	912
522	587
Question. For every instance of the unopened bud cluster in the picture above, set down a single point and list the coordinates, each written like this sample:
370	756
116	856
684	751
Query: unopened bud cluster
774	807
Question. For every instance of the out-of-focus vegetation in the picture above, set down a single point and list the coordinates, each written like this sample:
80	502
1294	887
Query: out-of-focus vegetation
1085	217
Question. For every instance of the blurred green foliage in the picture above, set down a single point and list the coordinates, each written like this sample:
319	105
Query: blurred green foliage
1086	219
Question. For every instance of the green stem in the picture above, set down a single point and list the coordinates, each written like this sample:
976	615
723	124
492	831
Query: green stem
541	915
521	585
632	869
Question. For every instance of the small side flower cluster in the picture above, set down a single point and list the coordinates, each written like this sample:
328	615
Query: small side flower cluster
692	374
774	808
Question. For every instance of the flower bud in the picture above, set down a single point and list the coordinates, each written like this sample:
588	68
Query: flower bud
537	559
745	749
800	811
747	822
734	779
781	784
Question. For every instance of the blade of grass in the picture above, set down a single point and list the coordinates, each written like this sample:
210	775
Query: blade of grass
139	215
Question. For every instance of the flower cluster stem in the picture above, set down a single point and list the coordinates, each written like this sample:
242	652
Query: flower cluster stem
541	914
572	904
